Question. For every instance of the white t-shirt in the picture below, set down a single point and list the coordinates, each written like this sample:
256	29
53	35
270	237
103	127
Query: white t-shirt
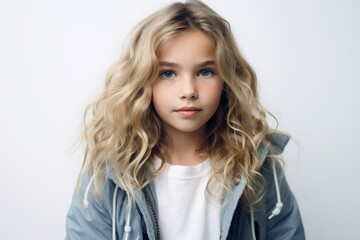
184	211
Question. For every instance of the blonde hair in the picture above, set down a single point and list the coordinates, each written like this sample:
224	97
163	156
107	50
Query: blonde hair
124	132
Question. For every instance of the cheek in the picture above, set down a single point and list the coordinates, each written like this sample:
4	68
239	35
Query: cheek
159	98
155	99
215	94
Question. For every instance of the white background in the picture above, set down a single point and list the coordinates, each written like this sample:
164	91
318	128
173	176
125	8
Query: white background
55	54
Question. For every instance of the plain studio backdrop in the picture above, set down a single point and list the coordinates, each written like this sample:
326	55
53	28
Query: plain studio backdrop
54	56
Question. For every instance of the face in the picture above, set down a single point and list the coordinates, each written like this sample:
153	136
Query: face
188	89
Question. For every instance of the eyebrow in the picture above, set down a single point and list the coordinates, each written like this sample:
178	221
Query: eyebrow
171	64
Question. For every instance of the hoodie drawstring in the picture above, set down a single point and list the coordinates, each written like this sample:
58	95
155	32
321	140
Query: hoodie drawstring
278	207
114	214
86	202
127	228
252	223
279	204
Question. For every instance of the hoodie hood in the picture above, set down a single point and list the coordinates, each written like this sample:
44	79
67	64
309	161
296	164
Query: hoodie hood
274	143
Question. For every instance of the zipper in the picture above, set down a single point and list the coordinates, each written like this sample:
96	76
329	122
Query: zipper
153	212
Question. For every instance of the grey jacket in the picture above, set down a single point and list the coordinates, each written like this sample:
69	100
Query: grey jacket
109	217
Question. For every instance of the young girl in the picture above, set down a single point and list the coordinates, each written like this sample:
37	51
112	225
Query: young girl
178	146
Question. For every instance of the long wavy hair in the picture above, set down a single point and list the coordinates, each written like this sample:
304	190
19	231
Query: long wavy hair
122	131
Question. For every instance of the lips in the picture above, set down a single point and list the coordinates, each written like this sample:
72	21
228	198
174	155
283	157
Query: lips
188	111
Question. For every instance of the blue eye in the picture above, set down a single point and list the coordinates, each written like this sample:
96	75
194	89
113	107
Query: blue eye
205	73
167	74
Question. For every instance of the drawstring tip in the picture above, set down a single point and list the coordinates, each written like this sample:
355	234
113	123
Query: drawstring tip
86	204
127	229
276	210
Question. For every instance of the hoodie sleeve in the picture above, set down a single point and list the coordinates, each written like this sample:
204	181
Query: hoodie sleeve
91	222
287	224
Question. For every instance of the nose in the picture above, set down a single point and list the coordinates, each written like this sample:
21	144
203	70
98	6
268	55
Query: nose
189	89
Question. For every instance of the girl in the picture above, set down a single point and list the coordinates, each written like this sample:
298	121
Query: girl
178	146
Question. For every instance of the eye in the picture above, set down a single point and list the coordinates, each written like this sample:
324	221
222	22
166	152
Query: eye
167	74
205	73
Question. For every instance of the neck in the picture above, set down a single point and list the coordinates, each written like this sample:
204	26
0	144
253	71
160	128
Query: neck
183	150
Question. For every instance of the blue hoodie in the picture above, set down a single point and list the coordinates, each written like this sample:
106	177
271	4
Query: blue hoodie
109	216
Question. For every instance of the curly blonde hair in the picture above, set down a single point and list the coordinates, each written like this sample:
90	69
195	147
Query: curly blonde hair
124	132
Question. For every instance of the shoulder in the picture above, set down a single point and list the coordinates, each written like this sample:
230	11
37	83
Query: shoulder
89	195
274	143
90	213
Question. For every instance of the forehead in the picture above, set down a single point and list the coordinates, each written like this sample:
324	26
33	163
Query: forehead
188	45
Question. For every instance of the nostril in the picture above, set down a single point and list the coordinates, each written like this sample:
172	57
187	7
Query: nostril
190	95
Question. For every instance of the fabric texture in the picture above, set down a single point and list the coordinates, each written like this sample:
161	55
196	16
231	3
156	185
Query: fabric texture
183	204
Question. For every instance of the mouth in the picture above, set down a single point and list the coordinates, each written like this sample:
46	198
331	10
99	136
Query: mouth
188	111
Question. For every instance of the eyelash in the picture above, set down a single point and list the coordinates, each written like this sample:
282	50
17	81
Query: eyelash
209	71
162	74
